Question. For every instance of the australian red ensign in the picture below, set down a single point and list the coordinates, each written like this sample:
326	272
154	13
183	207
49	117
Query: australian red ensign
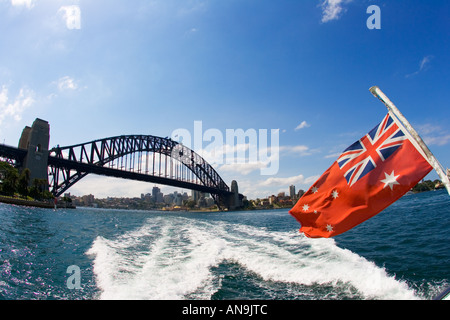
367	177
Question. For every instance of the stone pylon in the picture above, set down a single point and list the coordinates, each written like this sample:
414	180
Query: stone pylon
36	140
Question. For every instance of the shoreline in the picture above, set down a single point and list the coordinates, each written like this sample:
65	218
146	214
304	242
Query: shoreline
33	203
64	205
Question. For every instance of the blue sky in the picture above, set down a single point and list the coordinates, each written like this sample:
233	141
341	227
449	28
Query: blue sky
96	69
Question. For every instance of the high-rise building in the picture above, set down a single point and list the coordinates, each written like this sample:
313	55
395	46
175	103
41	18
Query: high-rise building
155	192
195	195
292	191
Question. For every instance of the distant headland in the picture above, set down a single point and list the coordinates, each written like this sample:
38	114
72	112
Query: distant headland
428	185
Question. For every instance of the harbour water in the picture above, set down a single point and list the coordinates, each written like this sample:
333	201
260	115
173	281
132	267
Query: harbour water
400	254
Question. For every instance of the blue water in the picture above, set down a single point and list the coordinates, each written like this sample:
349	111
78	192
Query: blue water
402	253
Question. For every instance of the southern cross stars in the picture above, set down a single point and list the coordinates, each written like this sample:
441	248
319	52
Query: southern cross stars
390	180
306	207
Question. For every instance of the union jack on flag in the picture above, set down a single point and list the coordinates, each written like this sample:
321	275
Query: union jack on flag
370	151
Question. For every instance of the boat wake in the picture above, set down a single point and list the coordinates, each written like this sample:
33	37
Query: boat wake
180	258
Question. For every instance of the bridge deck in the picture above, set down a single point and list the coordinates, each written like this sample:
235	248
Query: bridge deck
12	152
105	171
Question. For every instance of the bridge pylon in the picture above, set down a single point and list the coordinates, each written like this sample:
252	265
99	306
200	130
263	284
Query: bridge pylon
35	141
232	200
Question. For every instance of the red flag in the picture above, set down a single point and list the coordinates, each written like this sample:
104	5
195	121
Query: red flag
367	177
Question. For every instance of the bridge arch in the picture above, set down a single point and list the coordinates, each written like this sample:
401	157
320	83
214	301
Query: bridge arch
139	157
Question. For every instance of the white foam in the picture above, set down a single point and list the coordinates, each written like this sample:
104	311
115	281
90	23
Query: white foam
172	258
173	265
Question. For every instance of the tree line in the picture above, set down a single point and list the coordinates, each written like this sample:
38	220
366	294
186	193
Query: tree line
12	183
428	185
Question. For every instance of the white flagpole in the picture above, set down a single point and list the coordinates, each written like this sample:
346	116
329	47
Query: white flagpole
429	155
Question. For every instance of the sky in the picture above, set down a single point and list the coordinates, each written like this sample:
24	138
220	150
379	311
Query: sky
298	69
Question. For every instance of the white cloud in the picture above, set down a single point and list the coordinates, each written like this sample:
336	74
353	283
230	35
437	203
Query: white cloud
423	65
333	155
332	9
26	3
246	158
302	125
425	61
221	153
433	134
299	150
242	158
15	108
294	180
249	158
243	168
440	140
66	83
72	16
102	187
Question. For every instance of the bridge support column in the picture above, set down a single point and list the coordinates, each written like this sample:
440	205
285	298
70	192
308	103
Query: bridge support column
36	140
234	200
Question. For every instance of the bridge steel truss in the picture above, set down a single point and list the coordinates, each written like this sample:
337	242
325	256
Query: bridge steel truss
12	155
138	157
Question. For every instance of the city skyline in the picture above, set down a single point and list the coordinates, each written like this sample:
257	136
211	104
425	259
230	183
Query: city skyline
107	68
157	195
180	201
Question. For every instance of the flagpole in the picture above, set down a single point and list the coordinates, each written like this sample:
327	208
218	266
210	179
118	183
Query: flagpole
431	158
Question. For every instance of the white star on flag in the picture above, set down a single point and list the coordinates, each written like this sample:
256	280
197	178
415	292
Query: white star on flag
329	228
335	194
305	207
314	190
390	180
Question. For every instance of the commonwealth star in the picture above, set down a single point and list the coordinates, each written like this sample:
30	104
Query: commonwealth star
390	180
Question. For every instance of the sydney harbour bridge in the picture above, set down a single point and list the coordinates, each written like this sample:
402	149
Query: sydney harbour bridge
136	157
